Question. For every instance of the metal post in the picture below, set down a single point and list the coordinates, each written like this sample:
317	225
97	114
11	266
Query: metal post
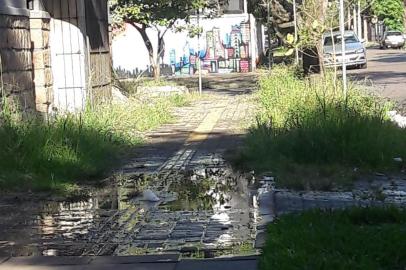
342	30
268	28
199	64
296	38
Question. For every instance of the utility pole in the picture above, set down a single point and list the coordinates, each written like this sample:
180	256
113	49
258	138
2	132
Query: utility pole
296	36
355	17
343	55
268	28
199	64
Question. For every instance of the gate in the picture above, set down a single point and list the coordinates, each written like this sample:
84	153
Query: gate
68	53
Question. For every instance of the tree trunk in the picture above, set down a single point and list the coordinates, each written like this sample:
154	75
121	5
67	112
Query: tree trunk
154	62
156	69
159	55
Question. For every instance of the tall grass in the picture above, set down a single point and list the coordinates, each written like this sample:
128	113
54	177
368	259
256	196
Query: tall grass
70	148
307	131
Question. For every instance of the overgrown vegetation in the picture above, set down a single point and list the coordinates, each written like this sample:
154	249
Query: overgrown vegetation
40	155
310	136
359	238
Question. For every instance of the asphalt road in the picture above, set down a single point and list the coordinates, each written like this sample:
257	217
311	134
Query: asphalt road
386	74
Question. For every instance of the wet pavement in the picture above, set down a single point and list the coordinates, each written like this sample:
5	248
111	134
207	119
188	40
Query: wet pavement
378	190
154	262
205	209
205	217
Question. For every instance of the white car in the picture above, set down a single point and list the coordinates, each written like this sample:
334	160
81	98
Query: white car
355	52
392	39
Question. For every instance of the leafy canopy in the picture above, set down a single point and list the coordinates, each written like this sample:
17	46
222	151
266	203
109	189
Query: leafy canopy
391	12
162	13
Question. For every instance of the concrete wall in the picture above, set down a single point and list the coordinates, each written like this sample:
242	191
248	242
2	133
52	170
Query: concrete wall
228	44
16	58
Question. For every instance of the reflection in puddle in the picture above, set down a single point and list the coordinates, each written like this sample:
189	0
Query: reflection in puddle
210	212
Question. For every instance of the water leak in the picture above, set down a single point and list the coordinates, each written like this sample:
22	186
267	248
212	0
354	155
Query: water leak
204	212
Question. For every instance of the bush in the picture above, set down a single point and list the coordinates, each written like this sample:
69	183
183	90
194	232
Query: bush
307	130
50	155
359	238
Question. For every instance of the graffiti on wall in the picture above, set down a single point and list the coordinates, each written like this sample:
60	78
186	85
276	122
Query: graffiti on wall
221	53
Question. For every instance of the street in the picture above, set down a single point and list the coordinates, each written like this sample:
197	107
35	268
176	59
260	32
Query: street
386	74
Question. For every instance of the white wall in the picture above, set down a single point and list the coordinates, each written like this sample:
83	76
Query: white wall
129	51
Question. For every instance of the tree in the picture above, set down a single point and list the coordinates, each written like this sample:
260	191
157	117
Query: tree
404	16
281	14
160	15
391	12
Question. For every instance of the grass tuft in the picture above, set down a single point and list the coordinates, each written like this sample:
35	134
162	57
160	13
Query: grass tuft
312	137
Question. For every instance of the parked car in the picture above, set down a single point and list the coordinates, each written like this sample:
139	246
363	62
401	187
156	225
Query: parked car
392	39
355	52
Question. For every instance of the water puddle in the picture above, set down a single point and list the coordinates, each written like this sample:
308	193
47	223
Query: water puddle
207	212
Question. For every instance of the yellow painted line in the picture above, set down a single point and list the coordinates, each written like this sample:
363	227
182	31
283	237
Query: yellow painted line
206	126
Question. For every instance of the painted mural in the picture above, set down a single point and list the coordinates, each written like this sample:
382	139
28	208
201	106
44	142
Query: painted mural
222	52
226	47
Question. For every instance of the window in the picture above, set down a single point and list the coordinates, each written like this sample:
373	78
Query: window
328	41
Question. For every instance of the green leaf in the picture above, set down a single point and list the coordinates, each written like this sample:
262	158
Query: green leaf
289	52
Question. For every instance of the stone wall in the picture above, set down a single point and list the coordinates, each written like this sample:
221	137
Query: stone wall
40	30
16	60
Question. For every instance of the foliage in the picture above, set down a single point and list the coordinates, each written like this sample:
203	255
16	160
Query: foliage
358	238
281	12
48	155
391	12
308	134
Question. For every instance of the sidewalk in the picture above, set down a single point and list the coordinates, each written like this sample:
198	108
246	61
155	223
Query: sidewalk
152	262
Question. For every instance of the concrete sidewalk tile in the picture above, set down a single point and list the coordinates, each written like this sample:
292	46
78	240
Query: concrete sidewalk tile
135	259
135	266
45	261
223	264
41	267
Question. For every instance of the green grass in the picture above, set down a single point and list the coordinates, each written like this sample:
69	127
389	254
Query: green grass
369	238
311	137
70	149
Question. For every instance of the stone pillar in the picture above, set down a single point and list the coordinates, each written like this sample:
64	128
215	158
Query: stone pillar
40	30
16	59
